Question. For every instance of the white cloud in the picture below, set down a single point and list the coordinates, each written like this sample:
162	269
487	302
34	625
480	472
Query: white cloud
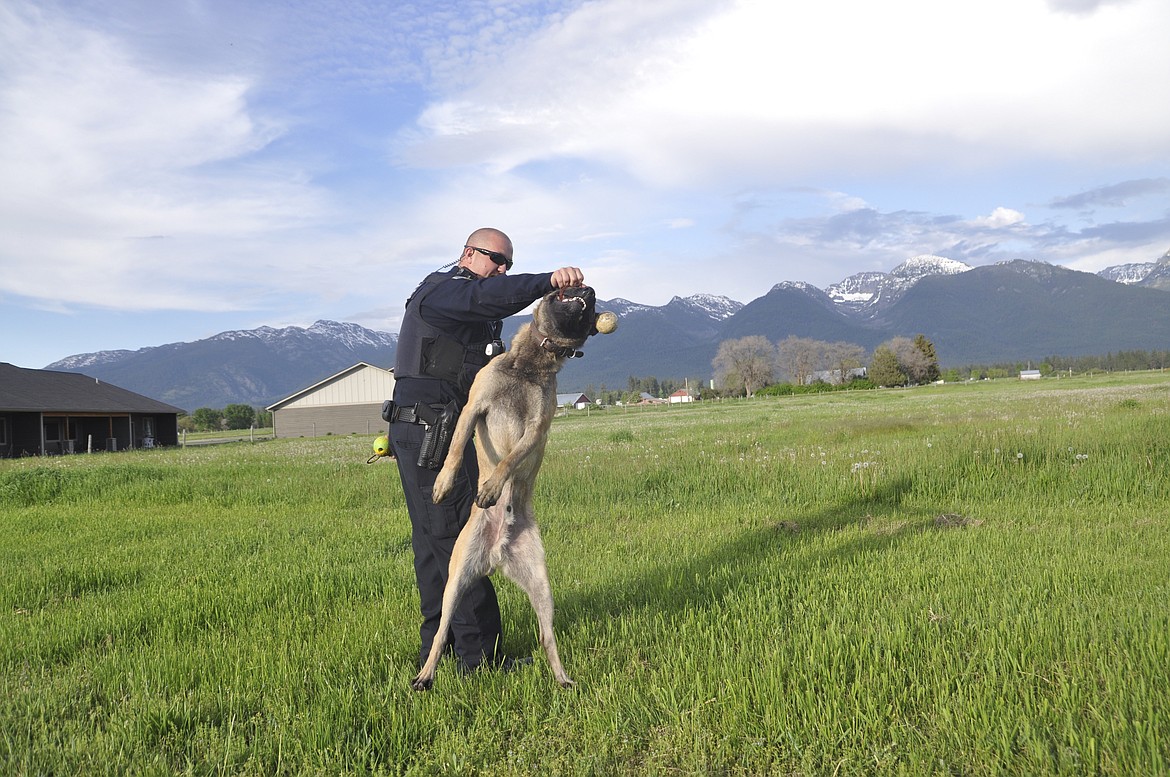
102	152
301	159
1000	218
763	90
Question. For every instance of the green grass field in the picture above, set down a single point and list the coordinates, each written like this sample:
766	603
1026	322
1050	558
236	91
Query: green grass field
969	579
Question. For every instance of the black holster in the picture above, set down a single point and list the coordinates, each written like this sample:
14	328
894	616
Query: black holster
437	439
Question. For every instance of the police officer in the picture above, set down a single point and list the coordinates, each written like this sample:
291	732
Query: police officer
450	330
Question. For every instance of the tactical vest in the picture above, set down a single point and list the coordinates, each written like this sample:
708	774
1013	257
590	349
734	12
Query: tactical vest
425	351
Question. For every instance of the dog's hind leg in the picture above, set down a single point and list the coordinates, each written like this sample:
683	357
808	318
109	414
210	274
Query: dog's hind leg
469	563
524	565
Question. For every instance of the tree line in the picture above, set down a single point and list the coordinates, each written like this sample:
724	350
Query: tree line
744	366
748	364
1120	361
235	416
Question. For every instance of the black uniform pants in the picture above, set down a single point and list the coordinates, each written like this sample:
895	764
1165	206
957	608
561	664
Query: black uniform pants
475	626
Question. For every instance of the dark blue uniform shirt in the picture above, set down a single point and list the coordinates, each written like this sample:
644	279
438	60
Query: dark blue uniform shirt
464	308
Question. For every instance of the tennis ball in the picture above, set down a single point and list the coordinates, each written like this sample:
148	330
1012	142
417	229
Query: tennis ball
606	322
381	446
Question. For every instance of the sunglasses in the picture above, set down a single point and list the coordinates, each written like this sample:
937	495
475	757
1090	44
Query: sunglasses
495	256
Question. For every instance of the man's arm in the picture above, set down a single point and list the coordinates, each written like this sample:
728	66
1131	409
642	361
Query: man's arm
463	300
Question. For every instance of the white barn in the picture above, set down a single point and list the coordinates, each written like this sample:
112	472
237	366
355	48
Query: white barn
349	402
576	400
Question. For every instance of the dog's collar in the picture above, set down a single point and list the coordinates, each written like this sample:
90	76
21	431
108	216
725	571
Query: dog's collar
562	351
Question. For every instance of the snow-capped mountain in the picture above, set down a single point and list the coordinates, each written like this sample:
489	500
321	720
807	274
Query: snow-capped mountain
918	267
718	308
82	360
679	339
856	290
1154	274
622	307
869	293
345	335
711	305
1128	274
253	366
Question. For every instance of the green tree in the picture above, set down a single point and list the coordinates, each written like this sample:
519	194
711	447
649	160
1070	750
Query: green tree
884	369
927	348
207	419
239	416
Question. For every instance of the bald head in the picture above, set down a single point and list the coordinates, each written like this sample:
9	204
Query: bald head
481	245
497	239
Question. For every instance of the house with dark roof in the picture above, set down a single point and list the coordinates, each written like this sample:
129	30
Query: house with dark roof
47	412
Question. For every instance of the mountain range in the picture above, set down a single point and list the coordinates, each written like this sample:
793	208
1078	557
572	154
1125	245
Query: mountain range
1012	311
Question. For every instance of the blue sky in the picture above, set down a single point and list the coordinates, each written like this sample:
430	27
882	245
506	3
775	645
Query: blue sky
172	170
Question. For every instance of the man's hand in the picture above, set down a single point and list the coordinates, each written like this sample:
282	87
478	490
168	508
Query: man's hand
566	277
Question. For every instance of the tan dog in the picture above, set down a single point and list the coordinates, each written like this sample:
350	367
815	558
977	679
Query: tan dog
510	408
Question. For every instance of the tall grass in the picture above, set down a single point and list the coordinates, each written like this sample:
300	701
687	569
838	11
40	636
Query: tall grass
961	579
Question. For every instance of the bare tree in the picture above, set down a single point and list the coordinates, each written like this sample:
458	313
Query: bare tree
842	358
911	359
799	357
746	362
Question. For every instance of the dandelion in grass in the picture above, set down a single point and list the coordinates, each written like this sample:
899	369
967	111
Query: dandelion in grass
863	472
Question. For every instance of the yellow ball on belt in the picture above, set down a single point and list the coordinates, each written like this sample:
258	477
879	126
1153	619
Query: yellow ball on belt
381	446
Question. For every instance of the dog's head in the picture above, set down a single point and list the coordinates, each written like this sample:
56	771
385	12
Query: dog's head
567	316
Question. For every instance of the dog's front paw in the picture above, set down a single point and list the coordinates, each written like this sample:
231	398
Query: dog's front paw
442	486
489	493
421	683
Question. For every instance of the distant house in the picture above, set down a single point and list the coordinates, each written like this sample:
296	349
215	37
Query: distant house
682	395
645	398
45	412
579	401
1029	374
349	402
833	377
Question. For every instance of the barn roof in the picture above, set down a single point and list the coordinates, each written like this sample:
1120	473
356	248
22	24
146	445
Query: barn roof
332	379
26	390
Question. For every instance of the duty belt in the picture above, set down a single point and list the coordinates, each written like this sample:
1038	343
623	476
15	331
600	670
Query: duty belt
418	413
